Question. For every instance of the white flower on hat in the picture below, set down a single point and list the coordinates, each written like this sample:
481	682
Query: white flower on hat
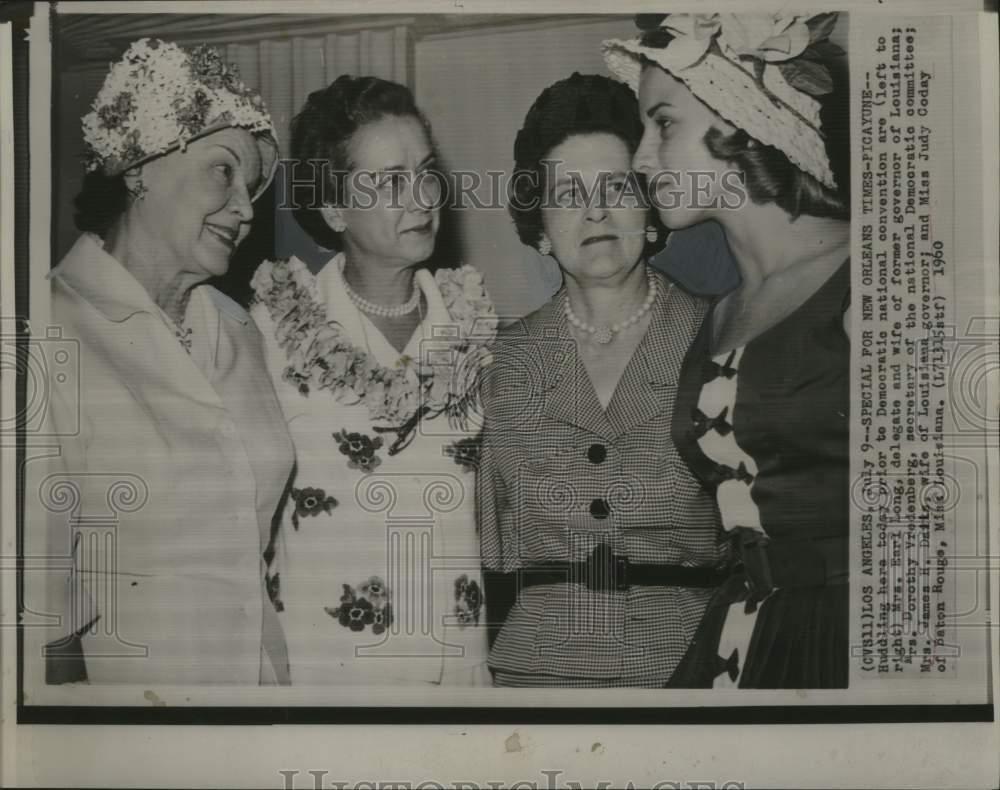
773	39
761	73
693	35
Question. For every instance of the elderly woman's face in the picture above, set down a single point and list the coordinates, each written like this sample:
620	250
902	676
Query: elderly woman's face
685	179
592	216
197	201
391	213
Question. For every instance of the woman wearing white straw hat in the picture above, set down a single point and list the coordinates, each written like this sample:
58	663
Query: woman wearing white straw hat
762	406
177	440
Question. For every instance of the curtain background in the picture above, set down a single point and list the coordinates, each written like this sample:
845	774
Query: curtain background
286	71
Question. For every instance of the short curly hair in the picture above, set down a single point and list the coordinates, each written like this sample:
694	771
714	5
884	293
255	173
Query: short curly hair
323	130
578	105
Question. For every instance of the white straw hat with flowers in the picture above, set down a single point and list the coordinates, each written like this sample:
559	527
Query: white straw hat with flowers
160	96
759	72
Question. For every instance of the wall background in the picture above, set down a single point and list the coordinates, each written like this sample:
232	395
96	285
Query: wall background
476	88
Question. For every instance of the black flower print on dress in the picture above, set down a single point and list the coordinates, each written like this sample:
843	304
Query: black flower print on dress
310	502
382	619
370	608
465	452
375	591
468	601
359	449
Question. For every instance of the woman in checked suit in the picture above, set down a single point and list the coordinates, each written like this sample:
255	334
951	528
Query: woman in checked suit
588	516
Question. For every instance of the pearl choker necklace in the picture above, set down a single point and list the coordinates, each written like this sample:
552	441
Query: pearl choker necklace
605	334
376	309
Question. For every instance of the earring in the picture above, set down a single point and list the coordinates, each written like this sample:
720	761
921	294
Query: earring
544	245
652	234
751	143
137	192
333	218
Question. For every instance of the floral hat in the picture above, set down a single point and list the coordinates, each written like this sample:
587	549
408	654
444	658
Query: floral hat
762	73
160	96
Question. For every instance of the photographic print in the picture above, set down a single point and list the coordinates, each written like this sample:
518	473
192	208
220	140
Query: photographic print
471	366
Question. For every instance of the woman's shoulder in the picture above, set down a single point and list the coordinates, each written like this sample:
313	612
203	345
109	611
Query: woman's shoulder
530	344
541	322
225	304
681	303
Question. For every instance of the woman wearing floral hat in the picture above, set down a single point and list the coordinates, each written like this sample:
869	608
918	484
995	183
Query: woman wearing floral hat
763	400
373	357
173	451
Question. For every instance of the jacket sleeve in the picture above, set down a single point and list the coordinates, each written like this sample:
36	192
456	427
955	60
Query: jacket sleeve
491	499
58	606
500	589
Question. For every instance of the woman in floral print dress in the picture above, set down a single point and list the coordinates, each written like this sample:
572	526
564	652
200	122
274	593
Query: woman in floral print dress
376	573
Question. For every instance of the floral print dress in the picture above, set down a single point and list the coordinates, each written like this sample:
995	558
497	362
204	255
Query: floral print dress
376	570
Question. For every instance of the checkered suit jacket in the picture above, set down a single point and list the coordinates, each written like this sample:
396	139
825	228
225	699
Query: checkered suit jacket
559	475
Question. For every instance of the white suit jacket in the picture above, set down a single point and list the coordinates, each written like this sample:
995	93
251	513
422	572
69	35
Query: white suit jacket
158	507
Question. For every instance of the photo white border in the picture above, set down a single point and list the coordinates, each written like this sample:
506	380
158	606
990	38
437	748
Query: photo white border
850	755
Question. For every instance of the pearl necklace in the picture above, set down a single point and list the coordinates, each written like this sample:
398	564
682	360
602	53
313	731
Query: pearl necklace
605	334
376	309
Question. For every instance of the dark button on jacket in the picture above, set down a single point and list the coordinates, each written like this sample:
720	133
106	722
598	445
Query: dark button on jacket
596	453
599	508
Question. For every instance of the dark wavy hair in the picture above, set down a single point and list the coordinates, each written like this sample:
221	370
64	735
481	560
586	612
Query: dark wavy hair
323	130
101	201
580	104
770	175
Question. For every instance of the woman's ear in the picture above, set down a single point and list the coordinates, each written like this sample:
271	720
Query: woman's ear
133	182
333	217
722	125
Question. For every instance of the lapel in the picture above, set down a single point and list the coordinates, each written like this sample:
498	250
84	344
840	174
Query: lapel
650	379
437	310
569	395
102	281
332	292
227	329
156	360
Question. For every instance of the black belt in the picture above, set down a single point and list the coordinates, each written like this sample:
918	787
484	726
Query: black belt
605	571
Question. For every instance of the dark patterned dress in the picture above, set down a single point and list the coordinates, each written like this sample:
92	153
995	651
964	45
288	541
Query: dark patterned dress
766	426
